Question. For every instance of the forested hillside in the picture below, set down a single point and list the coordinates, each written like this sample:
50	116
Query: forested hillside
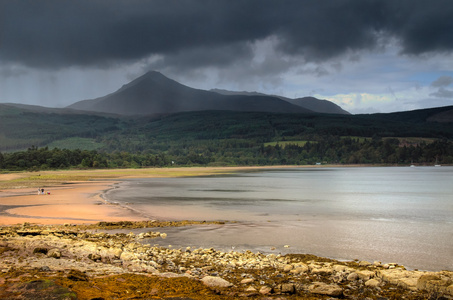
31	140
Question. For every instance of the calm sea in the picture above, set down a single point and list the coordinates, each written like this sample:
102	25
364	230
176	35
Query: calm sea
389	214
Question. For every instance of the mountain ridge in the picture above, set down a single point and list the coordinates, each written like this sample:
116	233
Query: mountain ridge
153	93
312	103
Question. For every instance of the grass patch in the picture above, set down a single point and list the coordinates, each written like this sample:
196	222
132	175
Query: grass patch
414	141
283	144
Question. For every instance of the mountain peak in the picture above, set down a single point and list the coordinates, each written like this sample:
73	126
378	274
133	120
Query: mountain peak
148	77
154	93
152	74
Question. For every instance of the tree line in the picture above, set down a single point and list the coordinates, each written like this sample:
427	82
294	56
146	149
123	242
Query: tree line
319	149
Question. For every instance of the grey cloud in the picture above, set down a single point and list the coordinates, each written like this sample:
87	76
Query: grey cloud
197	33
11	71
442	81
443	93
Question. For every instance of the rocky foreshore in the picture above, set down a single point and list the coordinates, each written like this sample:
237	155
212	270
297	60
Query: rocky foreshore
74	262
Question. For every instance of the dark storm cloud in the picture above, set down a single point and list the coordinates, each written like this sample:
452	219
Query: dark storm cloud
198	33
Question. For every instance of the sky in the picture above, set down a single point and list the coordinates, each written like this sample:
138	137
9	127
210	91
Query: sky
365	55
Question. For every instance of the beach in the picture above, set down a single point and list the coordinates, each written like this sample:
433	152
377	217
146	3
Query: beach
78	203
71	241
74	196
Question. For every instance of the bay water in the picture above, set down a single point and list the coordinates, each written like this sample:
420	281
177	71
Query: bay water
390	214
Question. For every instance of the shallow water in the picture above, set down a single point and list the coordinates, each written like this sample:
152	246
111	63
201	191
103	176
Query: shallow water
391	214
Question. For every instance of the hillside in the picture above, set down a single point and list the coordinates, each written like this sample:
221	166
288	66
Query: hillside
311	103
153	94
22	126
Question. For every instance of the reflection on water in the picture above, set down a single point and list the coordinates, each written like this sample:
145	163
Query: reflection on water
391	214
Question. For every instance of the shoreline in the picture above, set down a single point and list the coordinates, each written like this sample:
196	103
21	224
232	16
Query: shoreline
86	257
77	193
88	263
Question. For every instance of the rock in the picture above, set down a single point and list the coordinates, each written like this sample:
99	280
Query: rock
265	290
287	268
339	268
400	277
321	288
352	277
372	283
214	281
409	283
365	274
117	253
247	280
127	256
364	263
250	289
322	271
449	290
54	253
300	269
435	283
288	288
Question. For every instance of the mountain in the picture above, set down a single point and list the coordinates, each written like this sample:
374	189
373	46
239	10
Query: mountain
311	103
319	105
153	93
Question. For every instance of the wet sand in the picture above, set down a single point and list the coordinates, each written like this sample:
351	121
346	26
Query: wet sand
78	203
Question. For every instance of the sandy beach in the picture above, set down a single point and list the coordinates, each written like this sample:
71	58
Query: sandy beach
75	195
78	203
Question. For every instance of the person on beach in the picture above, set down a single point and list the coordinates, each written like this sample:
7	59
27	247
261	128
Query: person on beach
42	191
39	191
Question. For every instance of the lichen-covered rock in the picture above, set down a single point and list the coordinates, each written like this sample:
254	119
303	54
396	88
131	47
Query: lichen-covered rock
372	283
435	283
325	289
214	281
403	278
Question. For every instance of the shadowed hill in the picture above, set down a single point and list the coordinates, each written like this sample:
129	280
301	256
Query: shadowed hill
311	103
153	93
